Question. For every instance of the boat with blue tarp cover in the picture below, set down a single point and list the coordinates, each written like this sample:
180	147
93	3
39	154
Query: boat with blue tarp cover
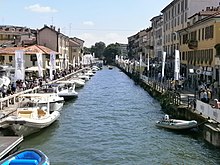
26	157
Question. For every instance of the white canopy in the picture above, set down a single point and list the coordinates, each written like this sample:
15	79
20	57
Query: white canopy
33	68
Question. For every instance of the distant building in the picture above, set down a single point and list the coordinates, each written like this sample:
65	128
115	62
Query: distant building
123	50
16	36
157	32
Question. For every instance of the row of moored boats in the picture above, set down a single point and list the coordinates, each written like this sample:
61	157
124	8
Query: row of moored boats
39	110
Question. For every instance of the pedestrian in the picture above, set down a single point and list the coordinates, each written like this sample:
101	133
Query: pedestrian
4	90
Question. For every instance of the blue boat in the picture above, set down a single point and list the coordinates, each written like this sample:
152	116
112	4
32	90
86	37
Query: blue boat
26	157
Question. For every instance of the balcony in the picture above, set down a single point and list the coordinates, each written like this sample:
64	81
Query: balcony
192	44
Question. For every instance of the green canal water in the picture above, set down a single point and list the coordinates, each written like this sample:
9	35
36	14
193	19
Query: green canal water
112	122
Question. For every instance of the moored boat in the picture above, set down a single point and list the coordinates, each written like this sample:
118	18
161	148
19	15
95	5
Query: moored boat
110	67
175	124
66	89
30	119
26	157
55	102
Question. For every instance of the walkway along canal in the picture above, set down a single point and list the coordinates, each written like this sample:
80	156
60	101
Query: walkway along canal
181	104
113	122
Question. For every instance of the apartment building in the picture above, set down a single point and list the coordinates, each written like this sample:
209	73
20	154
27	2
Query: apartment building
75	52
141	43
55	40
16	36
133	46
157	30
175	18
200	48
123	50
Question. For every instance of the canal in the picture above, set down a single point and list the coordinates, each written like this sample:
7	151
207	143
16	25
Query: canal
113	122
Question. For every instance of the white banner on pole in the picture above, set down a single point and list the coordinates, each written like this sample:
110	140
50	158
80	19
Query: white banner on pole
19	65
177	65
163	63
74	61
52	64
40	64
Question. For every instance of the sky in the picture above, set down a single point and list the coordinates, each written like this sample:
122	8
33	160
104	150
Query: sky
109	21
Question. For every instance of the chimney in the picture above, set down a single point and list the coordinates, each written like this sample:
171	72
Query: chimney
58	30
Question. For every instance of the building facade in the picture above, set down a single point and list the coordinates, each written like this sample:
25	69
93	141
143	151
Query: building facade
175	18
200	47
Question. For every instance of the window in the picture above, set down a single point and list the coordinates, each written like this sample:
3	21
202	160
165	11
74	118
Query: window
209	32
203	31
186	4
182	6
10	58
33	57
185	39
178	8
182	19
185	16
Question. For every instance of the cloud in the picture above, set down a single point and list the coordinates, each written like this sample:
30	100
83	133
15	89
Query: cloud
88	23
40	9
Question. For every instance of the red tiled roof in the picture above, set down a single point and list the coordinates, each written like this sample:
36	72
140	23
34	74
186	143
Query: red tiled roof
33	49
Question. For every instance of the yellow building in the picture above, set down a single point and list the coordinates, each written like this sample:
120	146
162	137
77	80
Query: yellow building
199	48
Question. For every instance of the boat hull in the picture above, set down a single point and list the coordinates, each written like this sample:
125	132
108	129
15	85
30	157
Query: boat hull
27	156
176	124
67	94
26	126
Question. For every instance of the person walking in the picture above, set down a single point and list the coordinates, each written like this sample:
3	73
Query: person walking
4	90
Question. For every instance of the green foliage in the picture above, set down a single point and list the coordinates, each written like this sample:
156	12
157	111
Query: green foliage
86	50
98	49
110	52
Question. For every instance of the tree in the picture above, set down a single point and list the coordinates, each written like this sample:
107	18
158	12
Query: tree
110	52
87	50
98	49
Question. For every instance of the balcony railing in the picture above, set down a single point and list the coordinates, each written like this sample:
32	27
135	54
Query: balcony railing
192	44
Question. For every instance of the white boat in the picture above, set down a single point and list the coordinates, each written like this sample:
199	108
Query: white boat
95	68
89	73
31	118
83	76
55	102
78	82
110	67
66	89
175	124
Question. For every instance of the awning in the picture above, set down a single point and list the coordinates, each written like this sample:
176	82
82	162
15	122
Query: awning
33	68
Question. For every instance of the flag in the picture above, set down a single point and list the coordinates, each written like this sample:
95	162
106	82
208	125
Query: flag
40	64
140	62
74	61
52	64
177	65
163	63
19	65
